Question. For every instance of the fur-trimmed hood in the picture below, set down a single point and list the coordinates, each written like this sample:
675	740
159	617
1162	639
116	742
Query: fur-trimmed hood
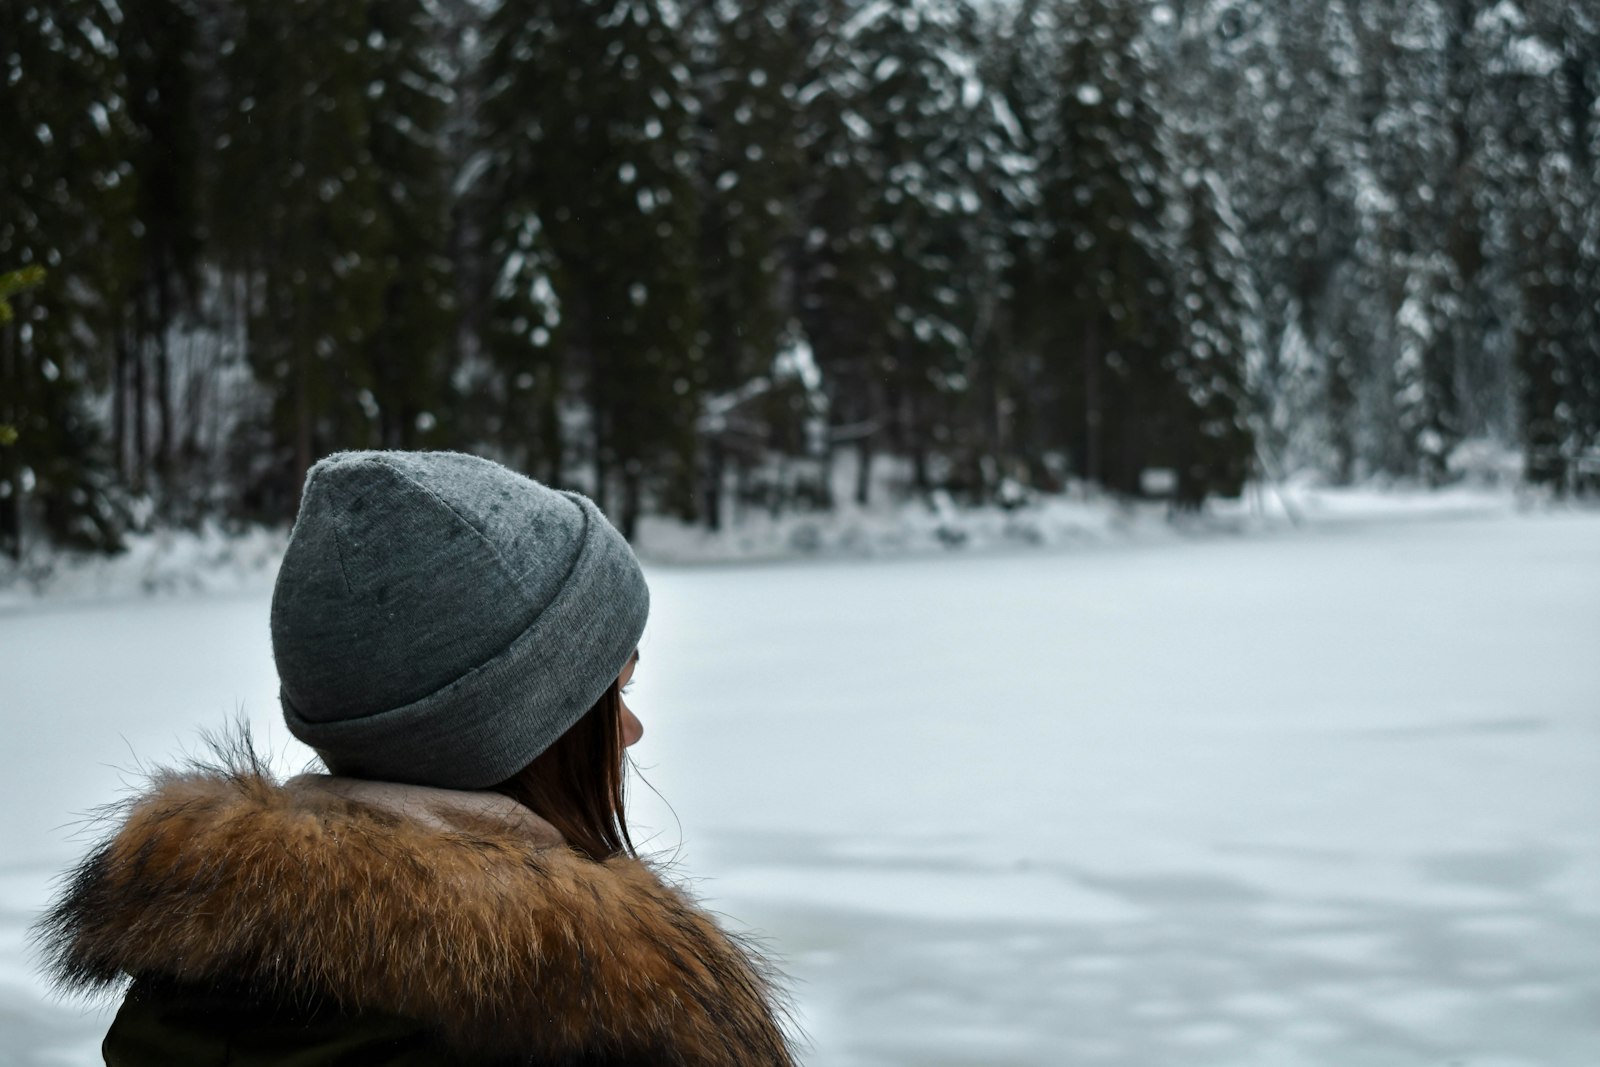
458	910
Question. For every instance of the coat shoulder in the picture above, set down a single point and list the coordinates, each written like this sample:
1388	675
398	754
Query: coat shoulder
456	919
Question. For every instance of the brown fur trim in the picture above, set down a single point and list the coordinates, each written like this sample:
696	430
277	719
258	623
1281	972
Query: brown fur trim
502	943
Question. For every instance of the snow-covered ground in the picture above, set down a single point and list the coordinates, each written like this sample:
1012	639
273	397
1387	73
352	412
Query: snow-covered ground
169	562
1323	795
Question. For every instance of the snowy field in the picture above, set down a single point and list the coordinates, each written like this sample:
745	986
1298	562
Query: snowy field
1325	796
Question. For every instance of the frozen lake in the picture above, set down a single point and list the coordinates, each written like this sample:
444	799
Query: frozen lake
1326	796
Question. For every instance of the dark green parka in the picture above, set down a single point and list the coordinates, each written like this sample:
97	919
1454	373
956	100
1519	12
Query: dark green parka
327	922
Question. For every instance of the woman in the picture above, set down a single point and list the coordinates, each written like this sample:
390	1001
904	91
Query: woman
453	639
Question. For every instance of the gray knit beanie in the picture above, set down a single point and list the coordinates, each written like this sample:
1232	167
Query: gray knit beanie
441	620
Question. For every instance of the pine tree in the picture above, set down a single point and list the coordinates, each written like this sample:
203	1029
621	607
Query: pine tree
1544	65
749	63
1219	344
1424	366
312	228
64	199
407	352
1405	257
1025	417
587	127
1558	353
1102	276
844	272
938	150
1482	364
157	47
749	59
1277	83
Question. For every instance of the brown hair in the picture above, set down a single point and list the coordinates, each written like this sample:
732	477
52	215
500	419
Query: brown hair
577	783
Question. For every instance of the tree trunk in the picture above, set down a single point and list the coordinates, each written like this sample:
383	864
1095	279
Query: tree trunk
864	472
163	408
194	404
715	463
1093	415
10	469
599	401
917	438
631	502
163	381
555	460
119	406
302	425
141	418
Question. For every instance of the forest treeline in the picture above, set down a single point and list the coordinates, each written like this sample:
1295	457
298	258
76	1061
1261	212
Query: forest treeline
685	252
